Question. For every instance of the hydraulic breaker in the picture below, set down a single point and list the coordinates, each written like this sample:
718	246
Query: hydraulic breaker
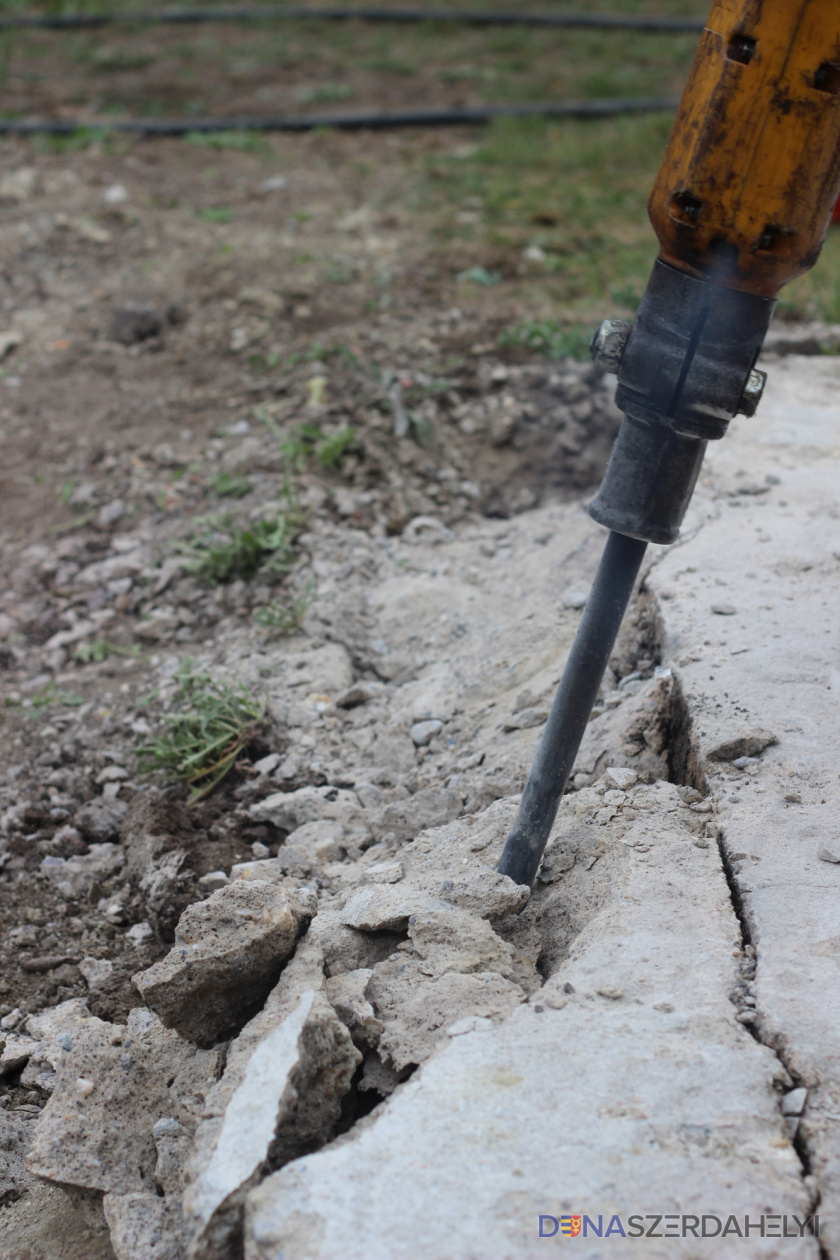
741	204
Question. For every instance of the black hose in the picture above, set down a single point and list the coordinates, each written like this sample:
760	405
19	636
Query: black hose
272	13
572	706
598	108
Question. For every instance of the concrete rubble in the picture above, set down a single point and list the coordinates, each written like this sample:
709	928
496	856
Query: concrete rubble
363	1042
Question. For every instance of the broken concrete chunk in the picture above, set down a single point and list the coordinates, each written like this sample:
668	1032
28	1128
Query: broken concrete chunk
383	906
15	1136
427	808
290	810
269	870
747	744
144	1226
280	1096
167	888
112	1085
417	1010
320	839
173	1143
16	1052
77	877
96	971
227	955
422	733
489	894
383	873
619	779
451	939
346	994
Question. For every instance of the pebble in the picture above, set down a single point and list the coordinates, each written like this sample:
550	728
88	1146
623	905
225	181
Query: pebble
213	880
422	733
724	610
115	194
620	779
260	850
574	599
610	991
140	933
793	1103
266	764
828	851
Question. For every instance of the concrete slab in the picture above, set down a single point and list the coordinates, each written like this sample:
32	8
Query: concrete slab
658	1083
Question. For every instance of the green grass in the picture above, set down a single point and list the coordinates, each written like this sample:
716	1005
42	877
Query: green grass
217	214
210	729
101	649
285	617
549	338
231	485
224	552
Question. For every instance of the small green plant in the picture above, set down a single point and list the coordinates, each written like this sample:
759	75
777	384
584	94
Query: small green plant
288	617
217	214
101	649
241	141
326	93
548	338
213	725
224	552
332	450
479	275
231	485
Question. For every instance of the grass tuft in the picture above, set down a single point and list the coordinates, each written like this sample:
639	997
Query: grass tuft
549	338
223	552
213	726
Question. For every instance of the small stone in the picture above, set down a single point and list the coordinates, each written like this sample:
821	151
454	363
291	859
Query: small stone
793	1103
111	774
115	195
265	765
724	610
611	991
96	971
84	1087
9	1022
260	850
384	873
359	693
619	778
110	513
525	719
574	599
422	733
828	851
140	933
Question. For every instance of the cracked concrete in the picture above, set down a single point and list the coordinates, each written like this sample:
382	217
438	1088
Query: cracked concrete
661	1068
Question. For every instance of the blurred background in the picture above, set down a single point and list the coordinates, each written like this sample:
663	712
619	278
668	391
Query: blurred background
540	220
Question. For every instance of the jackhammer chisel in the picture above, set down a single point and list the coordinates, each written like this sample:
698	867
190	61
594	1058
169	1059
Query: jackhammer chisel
740	205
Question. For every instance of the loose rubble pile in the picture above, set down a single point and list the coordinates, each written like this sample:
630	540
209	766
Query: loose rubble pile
225	988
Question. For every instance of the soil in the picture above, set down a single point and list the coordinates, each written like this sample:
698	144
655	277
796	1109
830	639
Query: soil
155	358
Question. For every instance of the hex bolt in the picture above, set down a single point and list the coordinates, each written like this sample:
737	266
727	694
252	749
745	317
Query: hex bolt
608	344
753	390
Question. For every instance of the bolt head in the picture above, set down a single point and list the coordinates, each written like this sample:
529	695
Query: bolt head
753	390
608	344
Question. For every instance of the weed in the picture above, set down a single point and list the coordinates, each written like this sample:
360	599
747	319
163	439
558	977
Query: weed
217	214
478	275
101	649
548	338
231	485
325	93
332	450
240	141
285	618
223	552
213	726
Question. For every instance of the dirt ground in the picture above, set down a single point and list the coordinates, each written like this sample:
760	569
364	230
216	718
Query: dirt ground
168	375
